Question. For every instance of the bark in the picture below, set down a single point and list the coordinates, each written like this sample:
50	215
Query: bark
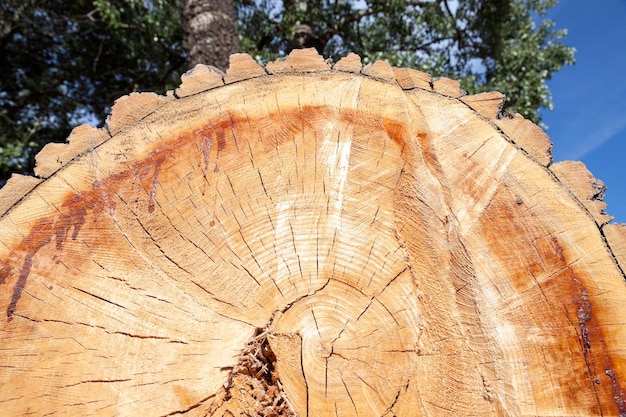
211	34
317	242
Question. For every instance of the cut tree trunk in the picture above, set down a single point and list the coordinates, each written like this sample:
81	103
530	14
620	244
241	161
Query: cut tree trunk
301	239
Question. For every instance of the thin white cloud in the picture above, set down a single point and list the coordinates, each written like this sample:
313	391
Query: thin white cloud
593	141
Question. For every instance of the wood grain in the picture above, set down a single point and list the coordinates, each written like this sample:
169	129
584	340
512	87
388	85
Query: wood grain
310	242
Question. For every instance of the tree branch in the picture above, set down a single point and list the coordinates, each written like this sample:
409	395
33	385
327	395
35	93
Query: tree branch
356	16
345	20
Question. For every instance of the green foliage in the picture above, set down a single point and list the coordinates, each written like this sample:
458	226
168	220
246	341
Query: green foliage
487	44
518	55
64	63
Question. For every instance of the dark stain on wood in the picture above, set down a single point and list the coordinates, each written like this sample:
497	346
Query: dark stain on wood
5	271
92	202
565	288
221	140
72	218
558	249
592	338
618	392
205	149
152	164
67	221
39	237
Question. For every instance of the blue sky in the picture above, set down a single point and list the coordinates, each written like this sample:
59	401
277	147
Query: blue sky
588	122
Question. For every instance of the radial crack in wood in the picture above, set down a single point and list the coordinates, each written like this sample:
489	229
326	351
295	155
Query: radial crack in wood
312	242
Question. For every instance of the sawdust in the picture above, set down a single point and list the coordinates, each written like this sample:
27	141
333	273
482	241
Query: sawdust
253	388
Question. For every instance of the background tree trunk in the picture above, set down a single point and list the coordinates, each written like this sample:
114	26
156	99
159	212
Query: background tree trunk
211	34
303	35
312	242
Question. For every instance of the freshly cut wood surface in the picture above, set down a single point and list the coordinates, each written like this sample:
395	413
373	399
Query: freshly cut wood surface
309	241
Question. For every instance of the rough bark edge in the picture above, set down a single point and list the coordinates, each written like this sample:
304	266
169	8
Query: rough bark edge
448	87
409	79
299	61
589	190
527	135
380	70
54	156
349	63
488	104
15	189
129	109
198	79
242	67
